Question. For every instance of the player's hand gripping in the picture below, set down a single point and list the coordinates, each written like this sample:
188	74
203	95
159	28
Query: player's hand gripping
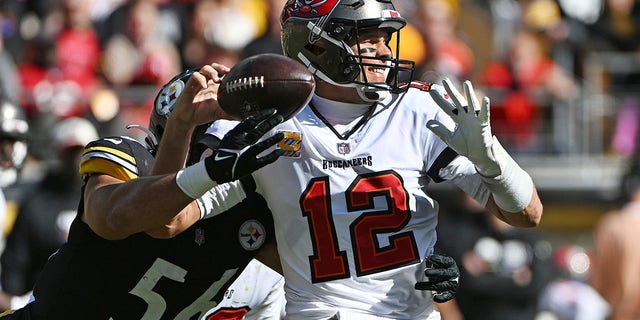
442	278
237	155
198	102
472	136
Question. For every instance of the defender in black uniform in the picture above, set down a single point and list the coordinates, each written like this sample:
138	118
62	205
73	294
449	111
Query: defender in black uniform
103	273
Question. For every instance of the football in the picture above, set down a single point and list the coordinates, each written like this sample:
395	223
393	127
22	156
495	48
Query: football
266	81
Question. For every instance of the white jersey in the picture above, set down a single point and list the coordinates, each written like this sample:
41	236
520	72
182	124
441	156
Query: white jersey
353	221
258	291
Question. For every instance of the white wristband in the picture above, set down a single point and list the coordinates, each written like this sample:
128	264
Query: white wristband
220	199
513	187
194	180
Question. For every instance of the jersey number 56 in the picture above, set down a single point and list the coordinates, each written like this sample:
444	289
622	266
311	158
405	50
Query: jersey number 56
156	305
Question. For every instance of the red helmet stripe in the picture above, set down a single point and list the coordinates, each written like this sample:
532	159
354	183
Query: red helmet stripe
307	8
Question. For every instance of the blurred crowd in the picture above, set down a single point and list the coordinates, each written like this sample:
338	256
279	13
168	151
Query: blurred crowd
79	69
103	60
509	273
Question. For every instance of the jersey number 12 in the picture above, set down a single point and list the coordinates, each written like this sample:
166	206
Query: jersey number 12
328	262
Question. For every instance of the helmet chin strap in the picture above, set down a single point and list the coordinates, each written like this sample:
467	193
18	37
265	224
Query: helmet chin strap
371	94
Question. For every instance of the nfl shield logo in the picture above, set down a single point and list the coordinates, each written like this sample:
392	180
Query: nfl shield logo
343	148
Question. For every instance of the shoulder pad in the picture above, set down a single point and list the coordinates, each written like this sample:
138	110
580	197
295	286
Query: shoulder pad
122	157
121	143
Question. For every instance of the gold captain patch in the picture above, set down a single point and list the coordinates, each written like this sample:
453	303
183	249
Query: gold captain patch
291	144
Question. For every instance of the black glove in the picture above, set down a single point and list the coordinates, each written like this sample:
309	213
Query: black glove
237	155
442	275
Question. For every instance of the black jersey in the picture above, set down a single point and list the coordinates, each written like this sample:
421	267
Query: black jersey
141	277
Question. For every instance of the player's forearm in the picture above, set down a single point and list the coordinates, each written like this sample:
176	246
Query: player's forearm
173	149
512	189
530	216
117	210
182	221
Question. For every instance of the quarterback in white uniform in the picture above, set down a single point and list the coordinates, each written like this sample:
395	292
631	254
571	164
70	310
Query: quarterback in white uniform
354	225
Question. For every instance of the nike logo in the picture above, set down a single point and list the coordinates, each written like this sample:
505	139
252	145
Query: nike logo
114	141
217	157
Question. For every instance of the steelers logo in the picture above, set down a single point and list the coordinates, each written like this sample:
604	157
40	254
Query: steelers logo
252	235
168	96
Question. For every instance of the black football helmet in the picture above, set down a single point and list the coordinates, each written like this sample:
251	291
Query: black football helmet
317	33
162	107
14	129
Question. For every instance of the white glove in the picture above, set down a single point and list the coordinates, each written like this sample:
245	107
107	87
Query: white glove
511	186
472	136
